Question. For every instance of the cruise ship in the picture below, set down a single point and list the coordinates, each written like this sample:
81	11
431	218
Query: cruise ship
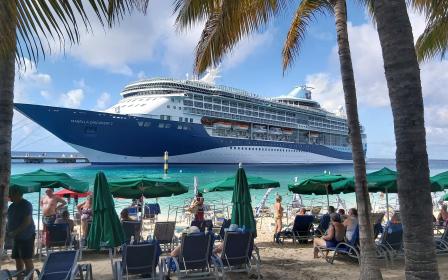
196	121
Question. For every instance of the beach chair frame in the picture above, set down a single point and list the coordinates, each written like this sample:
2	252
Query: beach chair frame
348	248
299	235
164	234
442	242
243	262
61	244
206	271
132	228
75	269
387	249
119	266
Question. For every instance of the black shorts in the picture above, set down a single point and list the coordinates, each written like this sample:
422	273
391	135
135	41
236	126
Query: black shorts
23	249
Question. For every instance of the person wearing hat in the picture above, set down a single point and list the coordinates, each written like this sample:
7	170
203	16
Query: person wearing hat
191	230
20	228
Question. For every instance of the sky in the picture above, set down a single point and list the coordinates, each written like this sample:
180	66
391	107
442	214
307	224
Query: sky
92	74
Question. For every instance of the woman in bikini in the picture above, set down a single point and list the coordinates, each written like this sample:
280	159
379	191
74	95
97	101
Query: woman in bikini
278	216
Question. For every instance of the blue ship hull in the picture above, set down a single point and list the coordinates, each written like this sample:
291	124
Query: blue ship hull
106	138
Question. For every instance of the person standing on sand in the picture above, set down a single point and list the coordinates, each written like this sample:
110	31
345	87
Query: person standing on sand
20	228
50	203
85	209
278	216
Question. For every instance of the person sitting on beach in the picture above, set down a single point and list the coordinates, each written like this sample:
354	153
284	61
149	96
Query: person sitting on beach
220	247
325	220
50	204
351	223
341	213
395	223
301	212
65	219
20	228
442	218
191	230
335	235
278	216
85	208
124	215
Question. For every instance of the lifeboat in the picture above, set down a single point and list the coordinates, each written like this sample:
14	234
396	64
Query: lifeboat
259	128
240	126
222	124
287	131
275	130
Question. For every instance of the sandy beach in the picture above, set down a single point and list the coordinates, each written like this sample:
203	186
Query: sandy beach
287	261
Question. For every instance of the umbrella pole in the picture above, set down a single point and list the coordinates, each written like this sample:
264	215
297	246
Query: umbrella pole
38	227
387	204
328	198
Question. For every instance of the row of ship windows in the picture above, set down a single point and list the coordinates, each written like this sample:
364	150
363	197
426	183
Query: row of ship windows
265	149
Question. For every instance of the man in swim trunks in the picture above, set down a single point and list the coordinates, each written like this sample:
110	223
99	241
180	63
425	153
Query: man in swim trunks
50	203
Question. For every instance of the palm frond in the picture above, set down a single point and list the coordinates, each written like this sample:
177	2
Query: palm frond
190	12
305	13
228	24
434	39
431	8
40	21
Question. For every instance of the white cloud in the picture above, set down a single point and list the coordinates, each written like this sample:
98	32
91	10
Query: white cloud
45	94
28	80
371	84
103	101
72	99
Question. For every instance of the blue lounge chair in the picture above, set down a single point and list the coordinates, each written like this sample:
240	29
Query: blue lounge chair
302	229
194	259
237	254
164	234
225	224
130	229
58	236
349	248
392	241
62	265
140	259
324	223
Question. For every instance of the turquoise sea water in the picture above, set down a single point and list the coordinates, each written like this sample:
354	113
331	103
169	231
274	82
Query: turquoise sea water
285	174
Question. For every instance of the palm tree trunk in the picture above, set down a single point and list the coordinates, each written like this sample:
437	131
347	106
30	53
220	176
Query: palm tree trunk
369	266
405	93
7	73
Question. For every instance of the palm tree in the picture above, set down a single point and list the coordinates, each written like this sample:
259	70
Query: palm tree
25	26
405	93
434	39
229	21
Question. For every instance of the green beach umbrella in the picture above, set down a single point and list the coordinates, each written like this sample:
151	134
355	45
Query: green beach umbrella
228	184
317	185
24	186
48	179
441	179
106	229
383	180
148	187
242	213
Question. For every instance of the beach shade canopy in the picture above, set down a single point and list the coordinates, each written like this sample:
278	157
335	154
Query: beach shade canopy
24	186
228	184
242	213
71	194
318	185
149	187
48	179
383	180
441	179
106	230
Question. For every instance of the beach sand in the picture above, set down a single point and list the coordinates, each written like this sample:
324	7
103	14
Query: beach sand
286	261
